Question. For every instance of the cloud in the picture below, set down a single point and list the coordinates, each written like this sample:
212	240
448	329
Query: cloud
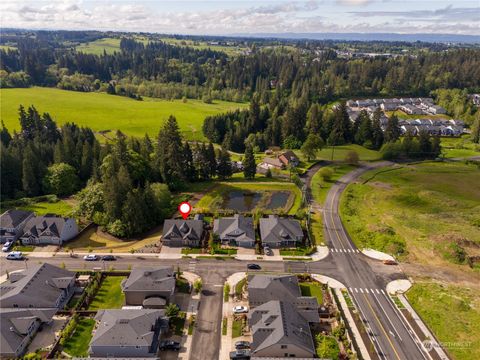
264	17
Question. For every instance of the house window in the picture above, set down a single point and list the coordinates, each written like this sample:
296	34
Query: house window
15	305
283	346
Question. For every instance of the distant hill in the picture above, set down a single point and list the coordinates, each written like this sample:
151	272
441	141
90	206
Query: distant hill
432	38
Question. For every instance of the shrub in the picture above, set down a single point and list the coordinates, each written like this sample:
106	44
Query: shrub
326	173
197	285
352	158
172	310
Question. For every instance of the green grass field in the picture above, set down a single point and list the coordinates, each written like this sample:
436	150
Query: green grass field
56	206
108	112
110	45
339	153
77	344
213	200
320	187
110	294
452	313
459	147
426	213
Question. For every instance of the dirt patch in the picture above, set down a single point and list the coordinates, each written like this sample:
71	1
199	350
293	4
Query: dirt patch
380	185
452	275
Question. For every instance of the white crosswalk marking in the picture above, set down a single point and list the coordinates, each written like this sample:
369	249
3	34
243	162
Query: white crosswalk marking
372	291
382	292
367	291
361	290
356	290
378	292
351	290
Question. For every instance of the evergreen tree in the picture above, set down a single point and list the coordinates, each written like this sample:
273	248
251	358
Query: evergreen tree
30	180
311	146
392	131
249	165
424	144
314	119
86	161
364	134
224	167
377	132
476	129
188	165
211	161
5	136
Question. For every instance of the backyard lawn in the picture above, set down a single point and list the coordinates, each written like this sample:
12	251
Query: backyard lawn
49	204
339	153
454	318
312	289
77	344
110	294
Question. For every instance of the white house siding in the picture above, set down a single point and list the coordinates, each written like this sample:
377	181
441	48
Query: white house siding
277	351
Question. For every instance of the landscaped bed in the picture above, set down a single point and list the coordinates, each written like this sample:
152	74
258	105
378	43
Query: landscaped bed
237	326
110	294
77	344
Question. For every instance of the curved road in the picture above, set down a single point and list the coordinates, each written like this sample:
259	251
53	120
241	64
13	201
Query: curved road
365	278
391	335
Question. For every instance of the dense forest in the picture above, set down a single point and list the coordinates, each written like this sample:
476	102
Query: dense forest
163	70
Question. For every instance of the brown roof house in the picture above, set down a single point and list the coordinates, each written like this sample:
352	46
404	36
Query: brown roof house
288	158
18	327
49	229
39	286
132	333
12	223
150	287
179	232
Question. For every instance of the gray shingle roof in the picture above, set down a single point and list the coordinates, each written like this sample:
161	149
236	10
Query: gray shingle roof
125	327
274	229
182	229
14	324
150	278
279	322
12	218
262	288
49	225
38	286
237	227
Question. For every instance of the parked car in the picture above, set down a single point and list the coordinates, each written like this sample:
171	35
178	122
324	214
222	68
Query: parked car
240	354
108	258
240	309
389	262
239	345
91	257
169	345
15	255
6	247
253	267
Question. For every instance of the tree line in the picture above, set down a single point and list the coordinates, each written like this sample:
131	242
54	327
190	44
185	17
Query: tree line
165	70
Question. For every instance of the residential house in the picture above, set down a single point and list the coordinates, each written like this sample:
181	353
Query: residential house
236	231
389	106
436	109
411	109
151	287
18	327
271	163
132	333
280	232
264	288
288	158
38	286
49	229
179	232
279	330
12	223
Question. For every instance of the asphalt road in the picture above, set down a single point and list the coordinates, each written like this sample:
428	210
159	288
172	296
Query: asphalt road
365	278
391	335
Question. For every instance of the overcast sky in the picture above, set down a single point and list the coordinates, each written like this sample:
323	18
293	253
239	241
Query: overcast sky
228	17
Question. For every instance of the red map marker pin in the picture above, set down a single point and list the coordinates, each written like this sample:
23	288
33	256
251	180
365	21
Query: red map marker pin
185	209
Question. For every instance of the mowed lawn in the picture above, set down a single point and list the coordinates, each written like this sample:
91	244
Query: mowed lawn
452	313
102	112
419	212
110	294
97	47
77	344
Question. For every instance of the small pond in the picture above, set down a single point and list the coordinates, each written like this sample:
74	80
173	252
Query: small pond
278	199
247	201
241	201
